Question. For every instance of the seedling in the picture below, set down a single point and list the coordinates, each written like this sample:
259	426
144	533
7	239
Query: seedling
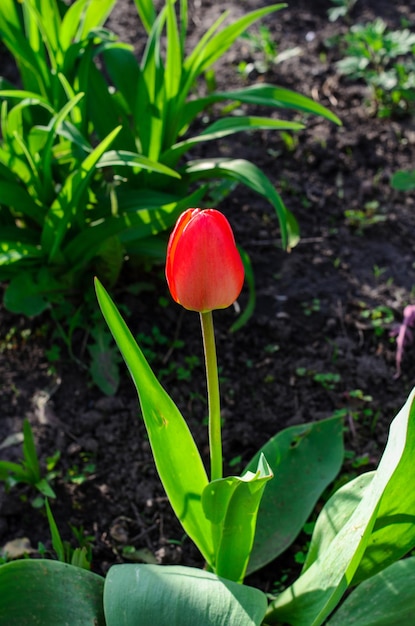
362	219
262	43
311	307
383	59
379	318
28	470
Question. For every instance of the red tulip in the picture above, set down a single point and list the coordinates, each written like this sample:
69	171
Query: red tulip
203	268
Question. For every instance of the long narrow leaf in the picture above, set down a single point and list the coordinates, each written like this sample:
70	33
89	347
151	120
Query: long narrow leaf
175	453
248	174
207	51
260	94
224	127
67	202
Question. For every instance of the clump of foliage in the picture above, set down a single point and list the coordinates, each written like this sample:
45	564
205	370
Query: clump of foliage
384	60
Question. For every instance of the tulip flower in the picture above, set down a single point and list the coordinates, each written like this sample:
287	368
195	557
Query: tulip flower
204	270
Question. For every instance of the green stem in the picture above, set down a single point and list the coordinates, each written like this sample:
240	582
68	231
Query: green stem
215	437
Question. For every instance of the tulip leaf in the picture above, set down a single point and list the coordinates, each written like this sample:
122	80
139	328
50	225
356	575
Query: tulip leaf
291	496
334	515
178	596
40	591
386	598
393	534
231	504
175	453
312	597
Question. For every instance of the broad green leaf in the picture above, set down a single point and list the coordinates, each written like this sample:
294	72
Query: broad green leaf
334	515
231	505
310	600
384	600
393	534
251	176
25	295
149	595
224	127
175	453
39	591
291	496
403	181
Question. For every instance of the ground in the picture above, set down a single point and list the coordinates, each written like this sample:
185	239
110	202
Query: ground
320	334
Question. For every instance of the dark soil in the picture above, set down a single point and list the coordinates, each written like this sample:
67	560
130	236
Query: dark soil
316	312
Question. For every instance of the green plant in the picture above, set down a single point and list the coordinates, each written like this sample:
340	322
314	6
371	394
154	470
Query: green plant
80	556
358	540
384	60
263	44
92	164
380	318
363	218
403	180
28	470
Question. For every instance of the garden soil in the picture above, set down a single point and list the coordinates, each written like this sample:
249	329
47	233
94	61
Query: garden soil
321	339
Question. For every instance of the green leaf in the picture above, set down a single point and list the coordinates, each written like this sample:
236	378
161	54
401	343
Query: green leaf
393	534
151	595
57	542
261	94
14	251
385	599
25	295
224	127
403	181
147	13
29	452
291	496
310	600
231	504
47	592
175	453
334	515
67	204
212	46
251	176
